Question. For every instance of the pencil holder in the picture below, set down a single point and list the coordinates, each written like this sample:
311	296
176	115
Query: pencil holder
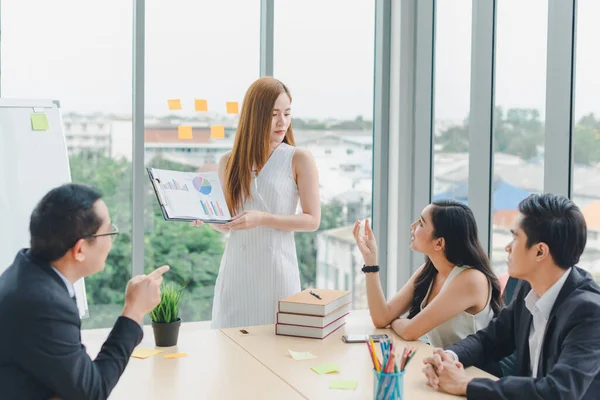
388	386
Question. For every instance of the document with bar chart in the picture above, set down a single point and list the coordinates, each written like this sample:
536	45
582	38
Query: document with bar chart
189	196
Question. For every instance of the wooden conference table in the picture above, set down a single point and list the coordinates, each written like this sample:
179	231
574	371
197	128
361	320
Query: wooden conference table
229	365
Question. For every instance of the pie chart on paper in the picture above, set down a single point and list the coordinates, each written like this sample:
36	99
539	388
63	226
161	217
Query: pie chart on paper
202	185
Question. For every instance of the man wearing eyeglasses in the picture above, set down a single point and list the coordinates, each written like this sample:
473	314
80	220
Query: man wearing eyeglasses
41	354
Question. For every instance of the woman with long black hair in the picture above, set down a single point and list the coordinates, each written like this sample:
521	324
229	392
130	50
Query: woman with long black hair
453	294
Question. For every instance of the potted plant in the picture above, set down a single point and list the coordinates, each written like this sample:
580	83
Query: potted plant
165	316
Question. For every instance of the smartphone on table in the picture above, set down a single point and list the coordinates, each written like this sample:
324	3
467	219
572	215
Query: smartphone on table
364	338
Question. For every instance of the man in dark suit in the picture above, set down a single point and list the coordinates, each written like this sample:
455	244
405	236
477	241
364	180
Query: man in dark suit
553	323
41	354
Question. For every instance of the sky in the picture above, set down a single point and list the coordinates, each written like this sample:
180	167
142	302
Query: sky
80	52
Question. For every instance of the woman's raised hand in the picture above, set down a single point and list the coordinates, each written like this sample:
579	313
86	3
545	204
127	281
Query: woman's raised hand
366	242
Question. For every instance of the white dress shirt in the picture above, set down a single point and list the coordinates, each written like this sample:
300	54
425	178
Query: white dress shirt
540	308
68	284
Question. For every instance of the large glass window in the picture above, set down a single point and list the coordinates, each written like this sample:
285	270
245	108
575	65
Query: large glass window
195	50
66	54
452	100
586	174
329	70
519	115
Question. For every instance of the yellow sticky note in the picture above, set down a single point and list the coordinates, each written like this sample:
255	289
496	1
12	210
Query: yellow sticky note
217	132
201	105
145	353
232	107
184	132
343	384
174	104
175	355
328	368
39	122
301	355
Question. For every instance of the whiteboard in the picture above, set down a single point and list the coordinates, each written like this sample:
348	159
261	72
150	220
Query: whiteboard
31	164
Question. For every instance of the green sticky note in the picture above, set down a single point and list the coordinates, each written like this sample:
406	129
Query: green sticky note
343	385
39	122
328	368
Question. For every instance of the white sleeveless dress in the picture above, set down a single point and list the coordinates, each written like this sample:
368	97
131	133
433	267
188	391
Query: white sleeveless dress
462	325
259	266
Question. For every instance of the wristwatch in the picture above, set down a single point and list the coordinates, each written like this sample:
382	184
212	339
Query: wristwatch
370	268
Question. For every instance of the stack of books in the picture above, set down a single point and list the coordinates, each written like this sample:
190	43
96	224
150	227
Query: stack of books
313	313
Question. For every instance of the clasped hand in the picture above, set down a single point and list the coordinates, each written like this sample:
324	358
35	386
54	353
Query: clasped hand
445	374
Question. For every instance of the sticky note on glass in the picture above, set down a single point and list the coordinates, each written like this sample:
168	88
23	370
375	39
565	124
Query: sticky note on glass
175	355
174	104
145	353
301	355
39	122
201	105
328	368
217	132
184	132
343	385
232	107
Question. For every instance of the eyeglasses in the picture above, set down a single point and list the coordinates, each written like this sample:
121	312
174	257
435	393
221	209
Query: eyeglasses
114	231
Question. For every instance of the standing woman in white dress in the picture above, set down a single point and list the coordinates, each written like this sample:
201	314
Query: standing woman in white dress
263	178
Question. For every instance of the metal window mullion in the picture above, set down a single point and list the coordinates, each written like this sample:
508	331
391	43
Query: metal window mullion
481	116
424	105
381	125
139	178
1	48
267	18
401	142
560	84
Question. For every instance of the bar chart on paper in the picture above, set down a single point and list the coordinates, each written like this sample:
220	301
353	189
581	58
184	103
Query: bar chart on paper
174	185
211	208
191	195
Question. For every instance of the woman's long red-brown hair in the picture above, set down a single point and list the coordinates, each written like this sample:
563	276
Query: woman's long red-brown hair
251	147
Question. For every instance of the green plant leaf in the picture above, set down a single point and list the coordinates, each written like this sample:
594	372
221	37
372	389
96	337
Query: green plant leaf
171	296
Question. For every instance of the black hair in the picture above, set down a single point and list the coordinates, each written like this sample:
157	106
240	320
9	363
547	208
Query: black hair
61	218
456	223
556	221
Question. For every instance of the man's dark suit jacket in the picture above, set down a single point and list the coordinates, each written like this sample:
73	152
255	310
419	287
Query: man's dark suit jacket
569	364
41	354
